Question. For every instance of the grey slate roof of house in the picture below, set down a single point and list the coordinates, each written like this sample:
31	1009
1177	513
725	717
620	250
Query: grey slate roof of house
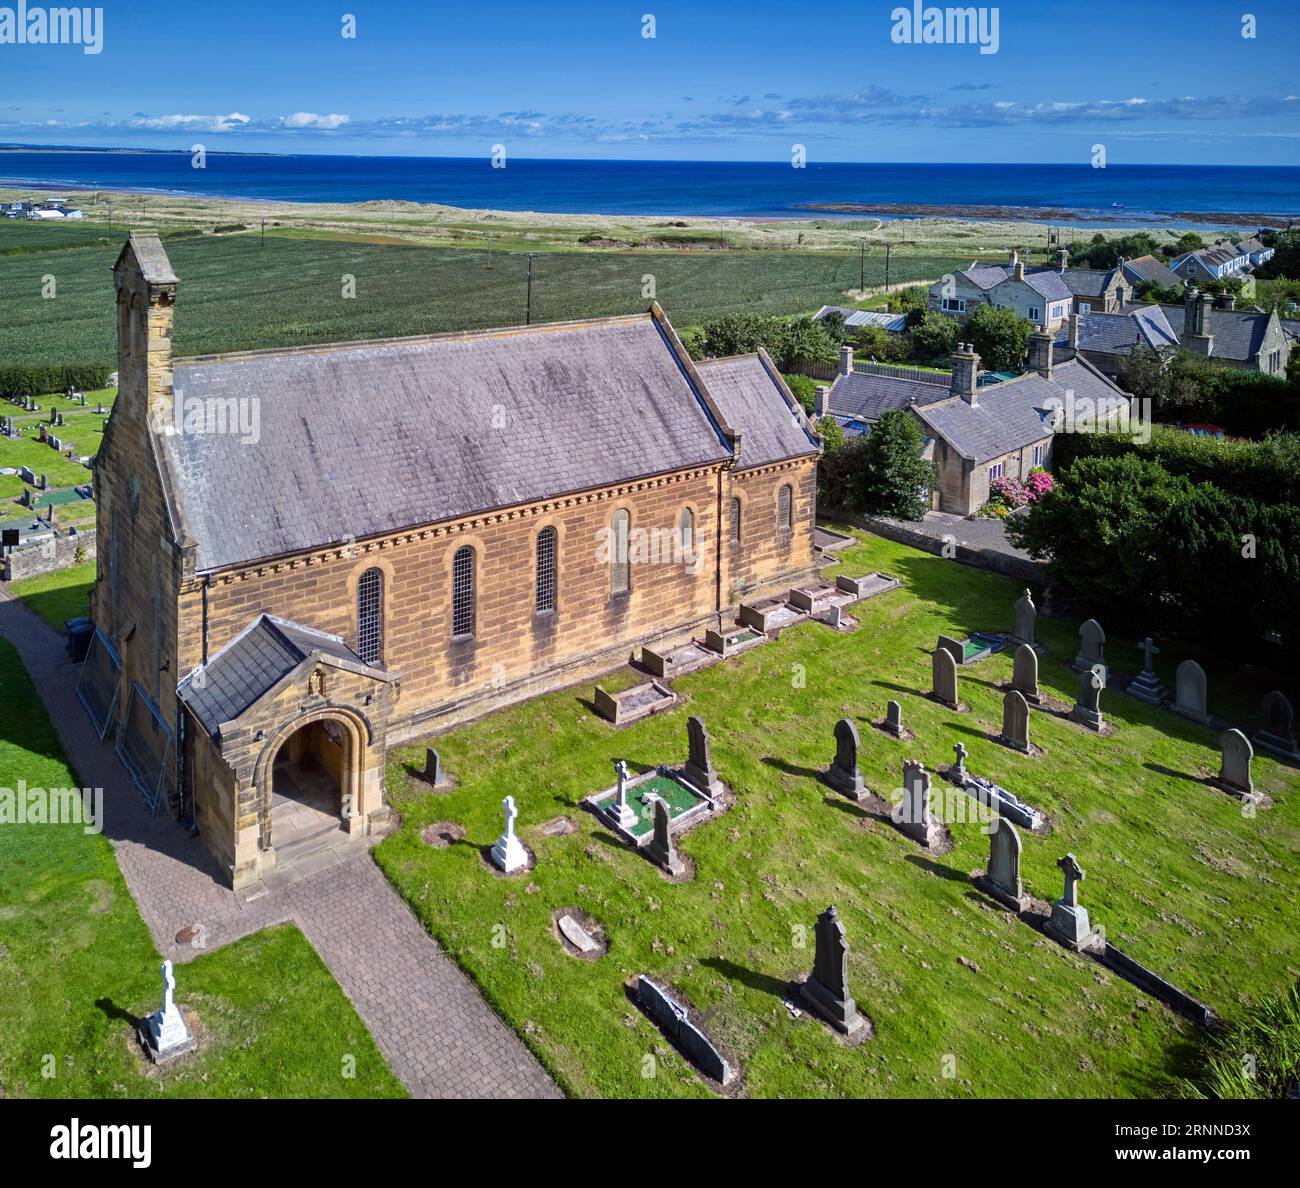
1045	281
1216	255
1238	333
1248	246
1013	414
895	323
865	397
357	440
1087	282
1291	328
1148	268
1118	333
752	398
254	662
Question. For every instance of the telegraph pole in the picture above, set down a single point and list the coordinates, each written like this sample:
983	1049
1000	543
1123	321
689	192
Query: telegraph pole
887	246
862	266
489	252
264	233
528	315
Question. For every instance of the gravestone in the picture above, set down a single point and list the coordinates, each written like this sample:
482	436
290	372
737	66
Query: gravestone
622	812
1024	673
508	854
164	1033
959	766
827	990
699	769
833	616
1146	686
943	678
1277	735
1015	721
953	647
660	849
432	766
577	935
674	1018
1234	770
913	815
1087	709
894	719
1092	646
1189	692
1069	922
1026	618
843	774
1002	879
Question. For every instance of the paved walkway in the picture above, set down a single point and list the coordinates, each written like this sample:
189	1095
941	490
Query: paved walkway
428	1019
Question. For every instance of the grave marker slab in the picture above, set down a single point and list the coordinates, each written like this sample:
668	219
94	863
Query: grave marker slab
1015	722
699	769
827	990
1092	646
1146	686
1277	735
660	849
1087	709
1189	692
1234	769
1002	879
914	816
943	678
675	1020
1069	923
894	719
1024	673
1026	618
843	774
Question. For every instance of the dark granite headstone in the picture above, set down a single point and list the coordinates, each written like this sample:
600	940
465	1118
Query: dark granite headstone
699	768
660	849
843	774
827	990
688	1039
1277	735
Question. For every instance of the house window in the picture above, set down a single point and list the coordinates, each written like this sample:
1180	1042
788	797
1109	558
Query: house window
1085	307
785	509
995	471
686	534
462	594
370	616
1038	455
953	304
735	521
1034	313
619	573
545	601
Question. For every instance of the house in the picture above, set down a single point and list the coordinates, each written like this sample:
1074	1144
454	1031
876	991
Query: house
1095	290
1039	295
1107	339
408	534
1220	262
855	319
1257	251
1246	338
1149	270
45	212
976	433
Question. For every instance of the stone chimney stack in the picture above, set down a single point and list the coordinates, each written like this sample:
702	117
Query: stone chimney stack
965	372
1194	330
1062	260
1017	266
1040	353
846	360
146	298
1225	301
822	400
1076	322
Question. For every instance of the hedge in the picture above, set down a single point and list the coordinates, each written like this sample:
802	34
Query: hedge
33	381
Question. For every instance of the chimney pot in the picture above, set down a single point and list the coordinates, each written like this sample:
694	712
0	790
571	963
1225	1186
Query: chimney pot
846	360
822	399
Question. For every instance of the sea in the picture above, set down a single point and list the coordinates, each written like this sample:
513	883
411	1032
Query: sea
1122	194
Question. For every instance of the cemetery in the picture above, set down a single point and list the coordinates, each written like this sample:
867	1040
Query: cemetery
1186	911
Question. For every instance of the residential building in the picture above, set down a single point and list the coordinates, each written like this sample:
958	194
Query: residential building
1257	251
1149	270
1218	330
1043	296
1222	261
1107	339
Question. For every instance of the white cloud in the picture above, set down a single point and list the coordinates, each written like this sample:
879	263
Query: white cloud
309	119
194	123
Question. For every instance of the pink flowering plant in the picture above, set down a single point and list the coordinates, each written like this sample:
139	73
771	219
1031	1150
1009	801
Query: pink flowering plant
1007	495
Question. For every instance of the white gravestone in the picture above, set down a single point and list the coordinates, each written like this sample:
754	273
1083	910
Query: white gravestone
508	854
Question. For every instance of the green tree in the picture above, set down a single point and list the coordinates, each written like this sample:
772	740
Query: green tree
892	478
934	338
832	433
1000	338
802	341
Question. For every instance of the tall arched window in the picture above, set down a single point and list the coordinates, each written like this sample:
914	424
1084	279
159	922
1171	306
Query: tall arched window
735	520
462	594
686	534
620	576
546	566
370	616
785	509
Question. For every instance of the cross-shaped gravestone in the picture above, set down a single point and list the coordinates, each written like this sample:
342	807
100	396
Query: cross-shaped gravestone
959	770
1149	649
620	810
508	854
1073	877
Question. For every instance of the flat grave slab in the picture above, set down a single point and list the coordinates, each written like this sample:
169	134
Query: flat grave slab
868	585
672	662
771	614
685	804
733	642
635	703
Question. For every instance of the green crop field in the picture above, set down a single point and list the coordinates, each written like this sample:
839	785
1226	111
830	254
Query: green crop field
21	235
236	294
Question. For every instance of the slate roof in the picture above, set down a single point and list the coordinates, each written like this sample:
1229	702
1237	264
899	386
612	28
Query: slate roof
1013	414
753	399
1291	328
1148	268
1248	246
1087	282
361	439
895	323
1118	333
1046	282
1238	333
865	397
254	662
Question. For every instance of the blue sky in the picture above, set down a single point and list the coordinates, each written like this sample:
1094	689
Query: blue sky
1154	82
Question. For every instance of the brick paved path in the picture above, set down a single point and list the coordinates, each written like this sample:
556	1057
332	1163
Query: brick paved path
428	1019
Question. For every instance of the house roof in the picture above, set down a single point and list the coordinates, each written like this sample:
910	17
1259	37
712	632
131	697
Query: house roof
1237	333
1247	246
356	440
1148	268
865	396
755	400
1119	333
895	323
257	660
1016	413
1088	282
1046	282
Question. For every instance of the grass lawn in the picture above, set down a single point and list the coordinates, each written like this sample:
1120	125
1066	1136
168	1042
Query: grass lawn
78	967
1176	875
58	596
83	430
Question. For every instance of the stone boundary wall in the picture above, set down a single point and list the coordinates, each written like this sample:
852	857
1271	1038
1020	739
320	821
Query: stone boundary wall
37	559
1004	563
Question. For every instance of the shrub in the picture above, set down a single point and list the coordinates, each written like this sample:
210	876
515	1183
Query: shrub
803	388
881	473
1000	337
1269	1033
17	379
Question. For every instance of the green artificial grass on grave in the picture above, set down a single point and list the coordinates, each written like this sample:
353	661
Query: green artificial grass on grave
1177	875
78	968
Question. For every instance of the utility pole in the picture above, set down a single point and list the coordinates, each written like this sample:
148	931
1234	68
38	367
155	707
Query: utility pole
489	252
887	247
862	266
528	315
264	233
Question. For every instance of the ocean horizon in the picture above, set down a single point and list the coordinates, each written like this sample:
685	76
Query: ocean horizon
1125	194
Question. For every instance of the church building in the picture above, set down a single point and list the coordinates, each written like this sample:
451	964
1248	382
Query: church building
308	554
